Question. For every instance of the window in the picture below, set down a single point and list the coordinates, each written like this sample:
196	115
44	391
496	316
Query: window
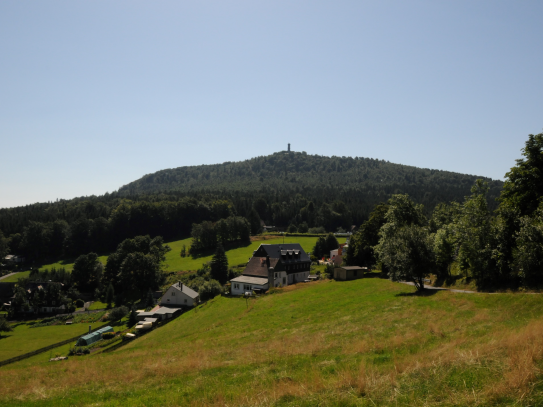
275	275
284	280
236	286
173	294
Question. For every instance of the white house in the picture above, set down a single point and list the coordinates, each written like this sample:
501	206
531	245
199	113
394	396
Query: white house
273	265
180	295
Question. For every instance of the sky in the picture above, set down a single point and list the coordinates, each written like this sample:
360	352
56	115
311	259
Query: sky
96	94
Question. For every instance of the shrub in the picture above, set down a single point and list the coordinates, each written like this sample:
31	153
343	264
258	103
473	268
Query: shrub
328	271
79	350
210	289
79	303
108	335
117	313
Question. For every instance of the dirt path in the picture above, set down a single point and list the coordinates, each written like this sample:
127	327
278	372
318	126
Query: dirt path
6	276
428	287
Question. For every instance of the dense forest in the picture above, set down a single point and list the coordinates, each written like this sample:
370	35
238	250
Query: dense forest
294	190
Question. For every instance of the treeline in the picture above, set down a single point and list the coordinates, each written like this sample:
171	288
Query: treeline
289	190
172	219
207	234
496	249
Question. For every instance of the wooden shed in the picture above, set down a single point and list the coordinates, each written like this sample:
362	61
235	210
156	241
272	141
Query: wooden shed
349	273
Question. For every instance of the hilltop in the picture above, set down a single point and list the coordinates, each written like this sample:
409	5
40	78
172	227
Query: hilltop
363	342
364	181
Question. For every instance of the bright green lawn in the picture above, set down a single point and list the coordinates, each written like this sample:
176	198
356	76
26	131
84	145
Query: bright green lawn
241	255
24	339
174	262
98	305
15	277
64	349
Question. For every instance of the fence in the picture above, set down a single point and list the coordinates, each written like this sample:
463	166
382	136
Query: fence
45	349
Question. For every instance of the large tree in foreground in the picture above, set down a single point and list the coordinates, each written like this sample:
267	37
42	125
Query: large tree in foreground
408	254
405	245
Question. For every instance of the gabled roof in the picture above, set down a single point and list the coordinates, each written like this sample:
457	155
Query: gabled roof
258	268
276	251
185	290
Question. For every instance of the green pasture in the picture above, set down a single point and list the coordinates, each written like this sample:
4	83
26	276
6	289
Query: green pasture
43	358
15	277
24	339
239	254
359	343
236	256
98	305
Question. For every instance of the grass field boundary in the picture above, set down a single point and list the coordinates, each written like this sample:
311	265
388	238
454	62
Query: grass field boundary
45	349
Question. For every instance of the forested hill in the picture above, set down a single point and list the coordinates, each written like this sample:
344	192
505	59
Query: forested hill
358	182
293	190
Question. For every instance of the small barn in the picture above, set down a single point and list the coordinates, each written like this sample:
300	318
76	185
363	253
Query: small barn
349	273
95	336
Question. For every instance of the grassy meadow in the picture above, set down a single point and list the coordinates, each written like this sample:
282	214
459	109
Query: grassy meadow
367	342
24	339
174	262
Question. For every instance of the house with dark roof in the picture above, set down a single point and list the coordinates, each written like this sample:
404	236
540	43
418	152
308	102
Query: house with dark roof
180	295
273	265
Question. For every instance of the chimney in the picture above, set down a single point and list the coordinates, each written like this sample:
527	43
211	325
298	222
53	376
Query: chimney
271	278
180	285
268	261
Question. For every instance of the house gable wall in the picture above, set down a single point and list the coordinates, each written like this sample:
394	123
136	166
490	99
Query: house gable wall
173	296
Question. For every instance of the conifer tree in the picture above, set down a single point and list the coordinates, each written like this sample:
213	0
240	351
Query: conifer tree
219	265
110	294
132	320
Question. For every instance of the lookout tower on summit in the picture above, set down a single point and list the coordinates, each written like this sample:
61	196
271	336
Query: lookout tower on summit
289	147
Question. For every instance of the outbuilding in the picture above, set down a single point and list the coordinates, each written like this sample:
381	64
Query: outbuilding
92	337
349	273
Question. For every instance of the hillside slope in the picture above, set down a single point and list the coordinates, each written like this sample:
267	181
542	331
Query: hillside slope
365	181
364	342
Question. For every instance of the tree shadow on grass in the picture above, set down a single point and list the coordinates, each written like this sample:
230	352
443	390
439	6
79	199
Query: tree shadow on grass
228	246
423	293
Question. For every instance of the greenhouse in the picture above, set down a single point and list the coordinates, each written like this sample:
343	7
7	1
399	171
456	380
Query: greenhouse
94	336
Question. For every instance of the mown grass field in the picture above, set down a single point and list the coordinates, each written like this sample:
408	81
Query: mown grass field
98	305
24	339
174	262
368	342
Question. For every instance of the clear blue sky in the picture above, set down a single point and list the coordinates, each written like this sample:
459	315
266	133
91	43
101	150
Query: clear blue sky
95	94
